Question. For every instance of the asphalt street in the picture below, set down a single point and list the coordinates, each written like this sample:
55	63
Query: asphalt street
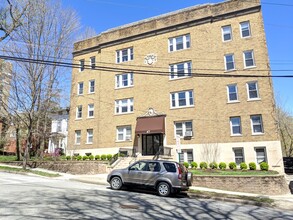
32	197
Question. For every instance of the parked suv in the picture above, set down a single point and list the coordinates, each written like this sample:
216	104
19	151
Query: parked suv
164	176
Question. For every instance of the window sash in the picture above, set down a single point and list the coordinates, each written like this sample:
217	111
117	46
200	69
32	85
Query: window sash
124	55
124	80
227	33
91	110
181	128
89	136
92	86
179	43
77	136
245	29
124	106
180	70
235	125
79	111
80	88
229	62
257	126
182	99
248	59
260	155
252	90
123	133
81	65
232	93
239	156
93	62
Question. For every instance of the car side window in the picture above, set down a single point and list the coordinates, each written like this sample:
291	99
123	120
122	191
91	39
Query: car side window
140	166
154	167
170	167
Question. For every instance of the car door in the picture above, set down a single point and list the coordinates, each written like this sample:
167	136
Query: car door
151	173
135	172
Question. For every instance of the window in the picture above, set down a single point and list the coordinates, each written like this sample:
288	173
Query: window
232	93
260	155
59	126
124	106
235	123
124	55
79	112
89	136
80	88
227	33
186	156
92	86
182	99
179	43
77	136
90	110
153	167
248	59
252	90
183	128
256	123
139	166
229	62
93	62
170	167
124	133
245	29
180	70
81	65
124	80
239	157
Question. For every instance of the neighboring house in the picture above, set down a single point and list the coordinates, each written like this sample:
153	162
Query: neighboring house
59	130
154	83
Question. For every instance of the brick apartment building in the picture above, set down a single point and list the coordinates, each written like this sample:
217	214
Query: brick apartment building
154	83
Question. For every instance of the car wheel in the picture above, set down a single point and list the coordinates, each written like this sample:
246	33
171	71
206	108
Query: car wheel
164	189
116	183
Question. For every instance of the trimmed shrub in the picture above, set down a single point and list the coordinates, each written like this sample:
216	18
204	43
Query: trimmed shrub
222	166
232	165
85	157
79	157
243	166
97	157
91	157
68	157
203	165
193	165
186	164
252	166
121	155
103	157
264	166
109	156
213	165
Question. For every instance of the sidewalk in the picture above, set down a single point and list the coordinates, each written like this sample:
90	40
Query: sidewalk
281	201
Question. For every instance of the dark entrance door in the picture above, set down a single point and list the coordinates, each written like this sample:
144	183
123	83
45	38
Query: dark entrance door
151	143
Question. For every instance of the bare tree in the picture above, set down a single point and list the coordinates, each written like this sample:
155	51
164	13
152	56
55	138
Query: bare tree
11	15
41	42
210	152
88	32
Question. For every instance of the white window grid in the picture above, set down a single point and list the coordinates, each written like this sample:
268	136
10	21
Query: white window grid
239	155
256	124
235	125
245	29
80	88
123	106
93	62
232	92
229	62
182	99
90	110
81	65
179	43
89	138
92	86
124	80
248	59
227	33
181	127
124	55
79	112
77	136
180	70
123	133
261	154
252	91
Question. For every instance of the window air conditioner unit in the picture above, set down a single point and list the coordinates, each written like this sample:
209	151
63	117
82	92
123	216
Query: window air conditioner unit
188	134
128	138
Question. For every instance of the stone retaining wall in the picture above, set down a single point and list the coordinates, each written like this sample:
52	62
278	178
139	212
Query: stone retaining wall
72	167
266	185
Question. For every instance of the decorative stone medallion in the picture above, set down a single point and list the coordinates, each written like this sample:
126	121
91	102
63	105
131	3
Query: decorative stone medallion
150	59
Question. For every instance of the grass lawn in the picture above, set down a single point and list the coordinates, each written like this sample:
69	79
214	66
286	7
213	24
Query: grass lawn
228	172
7	158
20	170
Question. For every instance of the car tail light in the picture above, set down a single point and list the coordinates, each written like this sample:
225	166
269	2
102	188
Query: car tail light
180	172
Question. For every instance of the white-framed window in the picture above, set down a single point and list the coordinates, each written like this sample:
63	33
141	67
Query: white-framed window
182	99
123	133
124	80
90	111
229	62
81	65
77	136
79	112
227	33
93	62
124	106
252	90
248	58
124	55
80	88
183	128
261	155
238	155
89	136
179	43
235	125
245	29
256	124
92	86
232	93
180	70
186	156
